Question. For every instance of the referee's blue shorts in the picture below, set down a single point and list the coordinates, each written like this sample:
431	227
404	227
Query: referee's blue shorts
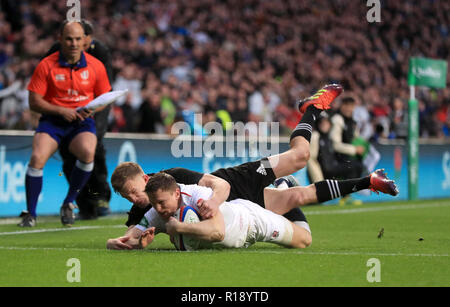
63	131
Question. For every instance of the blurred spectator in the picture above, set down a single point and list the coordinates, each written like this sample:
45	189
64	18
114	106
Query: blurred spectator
348	155
129	78
443	117
116	121
399	120
210	52
129	114
342	134
362	118
322	163
150	114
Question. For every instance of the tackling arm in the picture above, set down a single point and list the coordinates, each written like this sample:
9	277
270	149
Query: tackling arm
221	191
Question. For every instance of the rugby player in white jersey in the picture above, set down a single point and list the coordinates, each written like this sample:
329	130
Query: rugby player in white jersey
238	223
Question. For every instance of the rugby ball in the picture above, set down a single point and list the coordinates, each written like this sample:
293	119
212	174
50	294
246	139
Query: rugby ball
186	214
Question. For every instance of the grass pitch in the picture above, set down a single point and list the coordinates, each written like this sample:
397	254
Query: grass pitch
413	250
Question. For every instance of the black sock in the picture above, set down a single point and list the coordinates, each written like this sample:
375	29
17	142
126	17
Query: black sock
331	189
295	215
305	126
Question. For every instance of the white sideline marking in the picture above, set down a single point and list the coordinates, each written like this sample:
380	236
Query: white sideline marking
10	221
317	212
22	232
50	248
359	254
231	251
375	209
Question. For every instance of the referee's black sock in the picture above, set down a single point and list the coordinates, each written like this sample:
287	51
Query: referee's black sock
330	189
305	126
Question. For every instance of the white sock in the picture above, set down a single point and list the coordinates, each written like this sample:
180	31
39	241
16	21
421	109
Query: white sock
87	167
303	225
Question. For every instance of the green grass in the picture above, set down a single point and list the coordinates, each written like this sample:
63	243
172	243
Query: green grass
344	239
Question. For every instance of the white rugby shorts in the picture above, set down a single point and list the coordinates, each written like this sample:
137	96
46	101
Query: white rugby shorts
247	223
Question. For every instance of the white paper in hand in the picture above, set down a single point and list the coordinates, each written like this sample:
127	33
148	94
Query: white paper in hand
103	100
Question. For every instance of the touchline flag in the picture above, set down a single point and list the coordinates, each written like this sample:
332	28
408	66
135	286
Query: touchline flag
427	72
422	72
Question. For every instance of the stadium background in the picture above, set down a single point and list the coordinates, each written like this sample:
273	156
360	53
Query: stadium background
252	59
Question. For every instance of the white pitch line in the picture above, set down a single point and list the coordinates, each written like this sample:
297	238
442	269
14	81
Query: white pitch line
22	232
375	209
355	254
51	248
317	212
233	251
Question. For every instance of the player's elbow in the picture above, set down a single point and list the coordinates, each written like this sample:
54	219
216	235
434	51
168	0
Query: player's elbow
214	182
222	184
227	186
218	232
217	236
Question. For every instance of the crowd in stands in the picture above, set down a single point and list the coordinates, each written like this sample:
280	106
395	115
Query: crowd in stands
239	60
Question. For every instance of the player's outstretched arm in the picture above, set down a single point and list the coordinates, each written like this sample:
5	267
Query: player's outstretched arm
211	230
118	243
131	240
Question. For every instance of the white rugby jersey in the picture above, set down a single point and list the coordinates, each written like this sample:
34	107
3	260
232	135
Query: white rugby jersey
245	221
190	194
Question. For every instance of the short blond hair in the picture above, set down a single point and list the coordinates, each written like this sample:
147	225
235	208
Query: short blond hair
123	172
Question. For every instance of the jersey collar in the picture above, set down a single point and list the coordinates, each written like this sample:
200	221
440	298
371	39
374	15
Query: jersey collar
80	64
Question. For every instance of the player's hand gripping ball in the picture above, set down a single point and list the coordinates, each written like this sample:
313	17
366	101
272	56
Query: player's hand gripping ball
186	214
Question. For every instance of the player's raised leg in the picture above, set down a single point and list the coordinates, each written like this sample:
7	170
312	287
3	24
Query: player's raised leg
44	146
298	155
83	147
282	201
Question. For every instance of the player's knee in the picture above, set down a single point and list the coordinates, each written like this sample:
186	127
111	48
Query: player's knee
86	155
305	241
37	161
300	197
301	157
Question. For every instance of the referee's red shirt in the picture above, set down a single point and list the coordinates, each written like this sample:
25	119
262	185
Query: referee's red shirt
69	85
